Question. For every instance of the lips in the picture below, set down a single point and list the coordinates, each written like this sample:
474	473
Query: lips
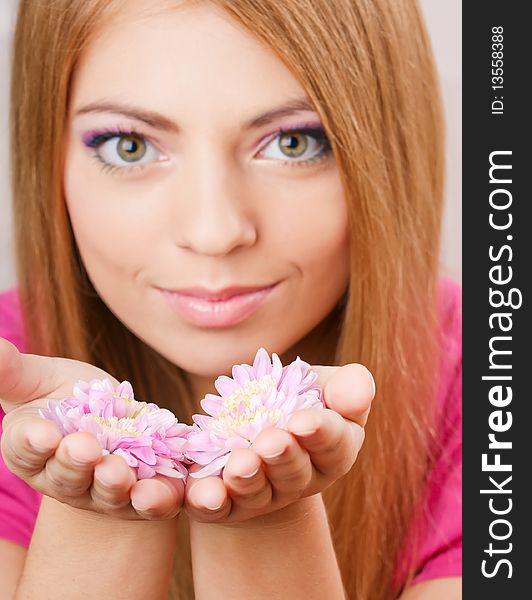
217	308
214	295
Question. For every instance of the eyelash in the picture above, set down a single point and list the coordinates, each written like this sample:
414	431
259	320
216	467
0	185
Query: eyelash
97	139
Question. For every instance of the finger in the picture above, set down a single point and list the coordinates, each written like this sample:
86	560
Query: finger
24	377
246	481
113	480
287	464
27	442
69	473
332	442
207	500
348	390
157	498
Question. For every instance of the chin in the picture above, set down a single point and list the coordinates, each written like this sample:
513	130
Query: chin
212	360
202	364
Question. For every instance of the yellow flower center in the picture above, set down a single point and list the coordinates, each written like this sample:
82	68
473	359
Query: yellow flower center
124	425
244	405
141	405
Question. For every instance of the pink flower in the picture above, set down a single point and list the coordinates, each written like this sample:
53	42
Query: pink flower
255	398
149	438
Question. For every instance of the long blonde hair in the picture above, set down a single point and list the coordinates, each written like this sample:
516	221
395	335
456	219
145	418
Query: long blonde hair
368	67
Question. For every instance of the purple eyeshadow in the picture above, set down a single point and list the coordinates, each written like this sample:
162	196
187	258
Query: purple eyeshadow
95	137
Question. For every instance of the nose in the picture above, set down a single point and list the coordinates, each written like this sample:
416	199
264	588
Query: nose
215	216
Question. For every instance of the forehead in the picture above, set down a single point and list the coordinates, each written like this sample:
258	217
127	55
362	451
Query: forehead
187	59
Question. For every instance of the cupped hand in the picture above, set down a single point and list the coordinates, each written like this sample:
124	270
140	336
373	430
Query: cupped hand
70	469
281	467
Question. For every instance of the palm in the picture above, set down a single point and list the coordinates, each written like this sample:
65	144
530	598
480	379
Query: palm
70	469
282	467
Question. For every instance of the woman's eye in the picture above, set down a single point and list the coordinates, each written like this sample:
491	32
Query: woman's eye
301	145
127	151
124	150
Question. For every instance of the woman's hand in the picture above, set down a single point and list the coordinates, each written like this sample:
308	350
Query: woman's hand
70	469
320	446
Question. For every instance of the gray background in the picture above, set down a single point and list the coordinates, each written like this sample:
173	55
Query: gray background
444	20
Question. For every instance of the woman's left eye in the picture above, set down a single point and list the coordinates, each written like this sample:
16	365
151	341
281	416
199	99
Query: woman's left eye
122	150
298	146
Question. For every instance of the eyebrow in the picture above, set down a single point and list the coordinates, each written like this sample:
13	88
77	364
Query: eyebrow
158	121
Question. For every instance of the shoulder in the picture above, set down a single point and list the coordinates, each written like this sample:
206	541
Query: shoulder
11	322
435	538
448	406
440	533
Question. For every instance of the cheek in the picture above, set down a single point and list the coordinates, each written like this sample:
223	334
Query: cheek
313	230
325	260
326	247
109	228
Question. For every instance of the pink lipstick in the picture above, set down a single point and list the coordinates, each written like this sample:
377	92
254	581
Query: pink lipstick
217	308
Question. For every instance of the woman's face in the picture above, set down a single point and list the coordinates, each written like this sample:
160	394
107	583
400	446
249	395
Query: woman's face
177	177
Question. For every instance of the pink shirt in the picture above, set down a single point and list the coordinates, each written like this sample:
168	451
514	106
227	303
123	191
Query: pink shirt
440	552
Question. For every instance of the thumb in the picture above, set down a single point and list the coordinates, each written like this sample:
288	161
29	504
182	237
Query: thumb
24	377
348	390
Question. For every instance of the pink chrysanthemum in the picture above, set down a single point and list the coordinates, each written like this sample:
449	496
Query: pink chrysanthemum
149	438
255	398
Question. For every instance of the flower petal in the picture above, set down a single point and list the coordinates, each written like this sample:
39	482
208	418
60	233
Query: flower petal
125	389
201	440
240	375
170	472
290	378
236	442
225	385
262	364
277	368
203	457
145	472
145	454
211	404
202	421
131	460
213	468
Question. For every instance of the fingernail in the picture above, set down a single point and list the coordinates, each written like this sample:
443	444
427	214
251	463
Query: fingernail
372	381
213	504
275	454
140	503
39	447
106	479
250	475
80	461
358	428
305	432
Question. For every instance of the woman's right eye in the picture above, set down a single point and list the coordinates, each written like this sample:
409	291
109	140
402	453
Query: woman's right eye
123	150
